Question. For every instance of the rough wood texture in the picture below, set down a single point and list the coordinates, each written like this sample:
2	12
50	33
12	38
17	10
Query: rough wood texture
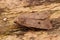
12	8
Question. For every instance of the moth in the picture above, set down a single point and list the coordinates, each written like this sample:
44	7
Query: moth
35	20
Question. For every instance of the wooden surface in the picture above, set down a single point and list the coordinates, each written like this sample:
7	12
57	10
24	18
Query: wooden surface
10	9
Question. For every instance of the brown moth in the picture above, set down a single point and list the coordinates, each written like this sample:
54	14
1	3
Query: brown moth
35	20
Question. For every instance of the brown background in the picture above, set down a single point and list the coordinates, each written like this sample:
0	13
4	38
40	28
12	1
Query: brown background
10	9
